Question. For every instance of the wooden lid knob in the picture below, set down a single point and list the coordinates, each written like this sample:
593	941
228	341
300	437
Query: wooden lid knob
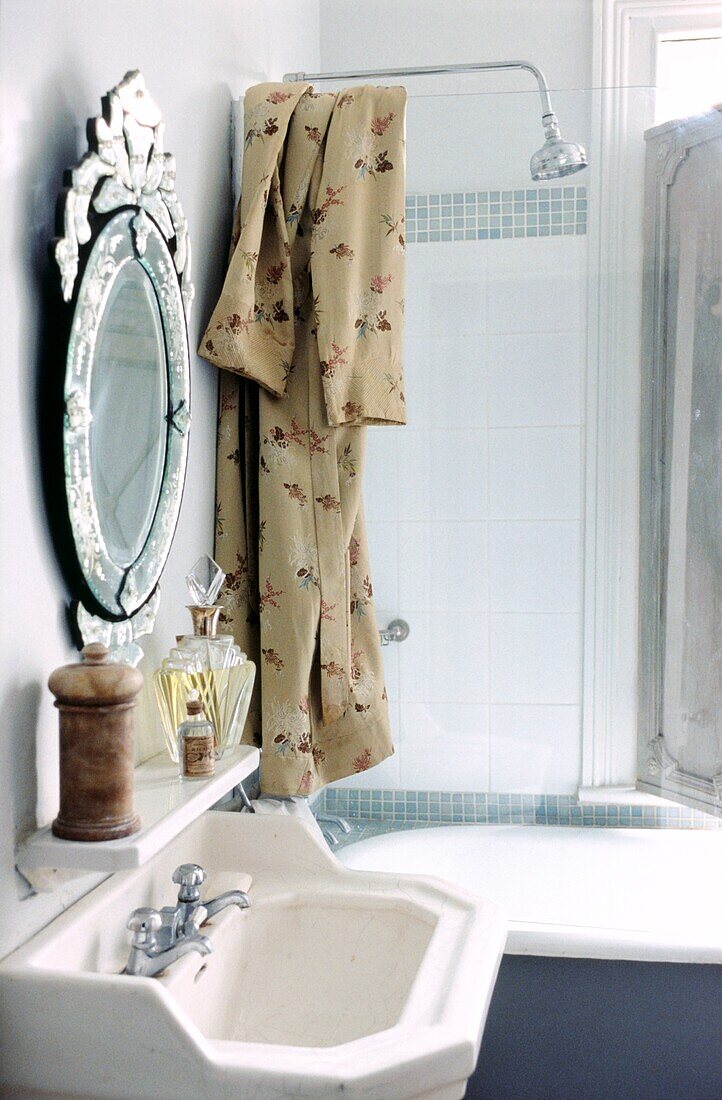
95	681
95	653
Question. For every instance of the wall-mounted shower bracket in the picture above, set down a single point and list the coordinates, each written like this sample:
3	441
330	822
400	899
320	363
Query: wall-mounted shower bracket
397	631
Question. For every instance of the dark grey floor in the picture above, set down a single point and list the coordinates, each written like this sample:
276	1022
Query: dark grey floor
585	1029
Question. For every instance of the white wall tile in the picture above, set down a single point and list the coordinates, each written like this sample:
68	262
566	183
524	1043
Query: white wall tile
534	658
535	749
538	285
535	378
383	538
445	659
444	747
443	567
535	473
418	315
445	380
381	474
458	300
445	288
535	566
442	475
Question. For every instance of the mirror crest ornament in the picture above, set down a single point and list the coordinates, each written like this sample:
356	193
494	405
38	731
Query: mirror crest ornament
125	263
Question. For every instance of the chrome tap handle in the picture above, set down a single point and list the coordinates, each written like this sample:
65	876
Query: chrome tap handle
147	957
189	876
144	923
194	921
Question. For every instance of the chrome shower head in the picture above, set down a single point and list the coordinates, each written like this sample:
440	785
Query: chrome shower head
557	157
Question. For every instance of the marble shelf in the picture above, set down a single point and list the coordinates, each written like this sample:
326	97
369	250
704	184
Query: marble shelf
166	806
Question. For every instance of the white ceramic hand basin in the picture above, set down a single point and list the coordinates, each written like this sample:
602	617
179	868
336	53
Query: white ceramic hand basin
310	972
373	985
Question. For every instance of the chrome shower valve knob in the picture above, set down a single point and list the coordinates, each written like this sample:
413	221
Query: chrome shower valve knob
397	631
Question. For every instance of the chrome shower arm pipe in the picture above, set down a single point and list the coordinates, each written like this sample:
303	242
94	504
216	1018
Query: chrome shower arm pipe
438	70
555	159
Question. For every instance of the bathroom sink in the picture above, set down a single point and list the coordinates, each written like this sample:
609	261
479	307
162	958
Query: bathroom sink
374	985
350	964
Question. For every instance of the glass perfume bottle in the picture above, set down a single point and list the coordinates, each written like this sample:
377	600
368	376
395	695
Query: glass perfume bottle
196	743
207	662
173	681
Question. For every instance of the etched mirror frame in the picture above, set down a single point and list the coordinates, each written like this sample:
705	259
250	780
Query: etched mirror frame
121	206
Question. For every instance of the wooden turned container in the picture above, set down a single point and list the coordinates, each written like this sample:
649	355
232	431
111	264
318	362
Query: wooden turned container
96	700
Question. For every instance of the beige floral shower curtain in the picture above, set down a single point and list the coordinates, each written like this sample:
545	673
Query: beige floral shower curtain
307	332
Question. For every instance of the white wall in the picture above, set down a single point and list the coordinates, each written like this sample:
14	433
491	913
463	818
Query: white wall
57	58
556	35
475	508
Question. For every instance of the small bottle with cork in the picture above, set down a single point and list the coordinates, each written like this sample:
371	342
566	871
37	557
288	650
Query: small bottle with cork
196	742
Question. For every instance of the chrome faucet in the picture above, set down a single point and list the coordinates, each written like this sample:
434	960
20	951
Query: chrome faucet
179	920
147	957
159	938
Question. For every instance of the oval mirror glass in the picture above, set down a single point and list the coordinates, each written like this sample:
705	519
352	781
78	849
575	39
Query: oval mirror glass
129	398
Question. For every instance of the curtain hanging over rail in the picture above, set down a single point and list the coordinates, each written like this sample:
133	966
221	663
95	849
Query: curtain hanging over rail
307	332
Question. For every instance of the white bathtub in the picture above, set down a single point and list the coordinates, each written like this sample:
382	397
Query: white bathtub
581	892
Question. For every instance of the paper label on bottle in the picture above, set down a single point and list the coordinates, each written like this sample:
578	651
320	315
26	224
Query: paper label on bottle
199	757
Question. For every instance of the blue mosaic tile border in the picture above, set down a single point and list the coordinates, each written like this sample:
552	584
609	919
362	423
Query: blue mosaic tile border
473	808
496	215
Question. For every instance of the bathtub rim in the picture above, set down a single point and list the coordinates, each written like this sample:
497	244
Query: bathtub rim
595	941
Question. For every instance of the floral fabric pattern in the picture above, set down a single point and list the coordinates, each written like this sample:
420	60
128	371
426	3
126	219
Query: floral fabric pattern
307	331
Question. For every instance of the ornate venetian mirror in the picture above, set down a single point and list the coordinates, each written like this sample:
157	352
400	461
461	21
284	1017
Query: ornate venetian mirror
124	259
